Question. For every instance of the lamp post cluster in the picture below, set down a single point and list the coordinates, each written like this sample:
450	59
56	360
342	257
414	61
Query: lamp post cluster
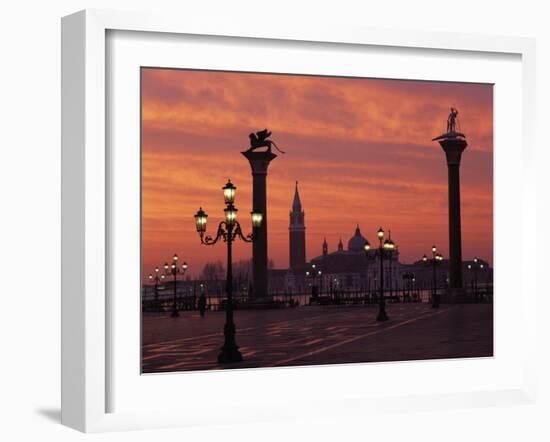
475	268
410	295
313	273
435	260
157	278
385	250
228	230
174	270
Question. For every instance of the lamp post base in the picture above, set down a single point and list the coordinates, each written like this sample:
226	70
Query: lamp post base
230	350
382	315
174	313
229	355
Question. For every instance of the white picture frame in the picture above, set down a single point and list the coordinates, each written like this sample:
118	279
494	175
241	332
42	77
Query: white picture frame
85	202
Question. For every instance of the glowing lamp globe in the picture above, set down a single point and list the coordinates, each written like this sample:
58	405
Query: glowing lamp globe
230	214
200	220
366	246
229	192
257	218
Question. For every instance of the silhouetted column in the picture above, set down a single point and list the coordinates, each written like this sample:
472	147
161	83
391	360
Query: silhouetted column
259	162
454	144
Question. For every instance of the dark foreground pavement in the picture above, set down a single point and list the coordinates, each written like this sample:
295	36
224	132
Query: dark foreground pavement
319	335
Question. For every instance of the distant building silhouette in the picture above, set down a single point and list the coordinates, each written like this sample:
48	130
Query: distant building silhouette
350	270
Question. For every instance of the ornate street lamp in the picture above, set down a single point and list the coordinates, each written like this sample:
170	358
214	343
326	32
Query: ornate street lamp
157	279
435	260
228	230
382	248
174	270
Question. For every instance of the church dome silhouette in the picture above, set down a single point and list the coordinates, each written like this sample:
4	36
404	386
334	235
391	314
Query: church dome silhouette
357	241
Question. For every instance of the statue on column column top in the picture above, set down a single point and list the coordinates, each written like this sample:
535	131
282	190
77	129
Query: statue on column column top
261	139
451	120
451	127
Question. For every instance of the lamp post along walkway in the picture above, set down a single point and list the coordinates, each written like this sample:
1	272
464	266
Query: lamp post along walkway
434	261
316	290
174	270
384	247
475	267
157	279
228	230
369	257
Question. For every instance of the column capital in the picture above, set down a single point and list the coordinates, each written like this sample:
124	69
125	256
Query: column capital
259	161
453	144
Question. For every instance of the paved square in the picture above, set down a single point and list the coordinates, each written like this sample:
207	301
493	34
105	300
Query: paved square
318	335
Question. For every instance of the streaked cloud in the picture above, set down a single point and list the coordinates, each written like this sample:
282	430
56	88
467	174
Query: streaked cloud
360	149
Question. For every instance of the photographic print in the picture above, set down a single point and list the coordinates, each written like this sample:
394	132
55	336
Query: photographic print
298	220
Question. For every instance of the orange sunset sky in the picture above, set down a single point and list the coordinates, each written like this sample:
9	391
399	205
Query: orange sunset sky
361	150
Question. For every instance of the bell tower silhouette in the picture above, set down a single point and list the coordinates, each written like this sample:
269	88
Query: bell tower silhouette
297	234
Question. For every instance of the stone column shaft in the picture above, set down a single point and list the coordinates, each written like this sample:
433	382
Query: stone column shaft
259	246
453	145
455	229
259	163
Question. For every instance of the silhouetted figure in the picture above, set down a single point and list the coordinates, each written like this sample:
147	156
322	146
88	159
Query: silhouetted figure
202	304
451	120
260	139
